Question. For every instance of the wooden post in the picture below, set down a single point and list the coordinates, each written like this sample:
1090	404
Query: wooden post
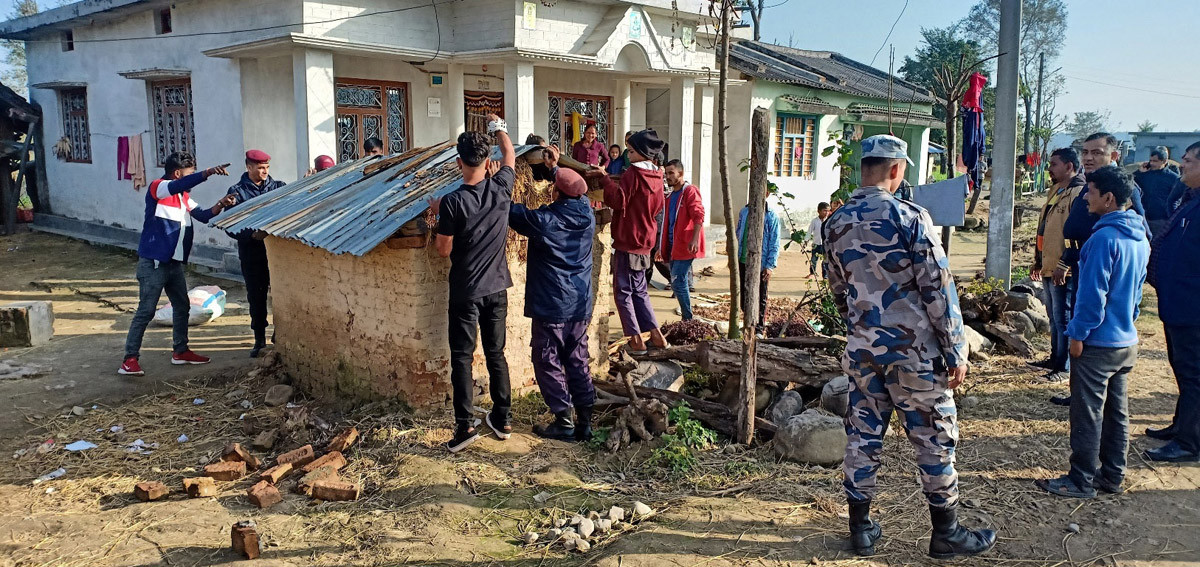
9	206
755	219
42	202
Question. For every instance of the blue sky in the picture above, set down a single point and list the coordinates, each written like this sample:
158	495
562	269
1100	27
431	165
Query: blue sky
1144	45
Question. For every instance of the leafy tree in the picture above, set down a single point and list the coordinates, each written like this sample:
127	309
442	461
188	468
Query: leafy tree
1085	123
1043	27
14	75
1146	126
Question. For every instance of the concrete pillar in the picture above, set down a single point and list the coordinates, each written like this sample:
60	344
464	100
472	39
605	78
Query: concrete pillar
316	109
682	120
457	115
518	99
623	114
918	152
637	109
702	174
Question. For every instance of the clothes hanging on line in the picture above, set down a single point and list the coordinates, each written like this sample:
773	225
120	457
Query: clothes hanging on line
123	158
136	166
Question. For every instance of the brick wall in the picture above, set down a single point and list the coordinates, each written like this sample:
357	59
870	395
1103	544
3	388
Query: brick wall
370	327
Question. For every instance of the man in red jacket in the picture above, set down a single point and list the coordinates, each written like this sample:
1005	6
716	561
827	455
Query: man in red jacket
635	202
682	238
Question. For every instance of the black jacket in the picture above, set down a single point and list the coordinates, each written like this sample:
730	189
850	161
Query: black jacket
246	190
558	286
1080	224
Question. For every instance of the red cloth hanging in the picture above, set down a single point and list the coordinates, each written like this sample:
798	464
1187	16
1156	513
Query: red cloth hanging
971	99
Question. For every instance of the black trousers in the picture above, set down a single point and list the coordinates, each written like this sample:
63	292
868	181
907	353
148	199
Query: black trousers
763	283
1183	351
488	314
253	256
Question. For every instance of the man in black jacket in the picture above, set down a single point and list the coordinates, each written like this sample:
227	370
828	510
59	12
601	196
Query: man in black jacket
252	252
1157	183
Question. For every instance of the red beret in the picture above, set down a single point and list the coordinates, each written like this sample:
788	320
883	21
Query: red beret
258	156
323	162
569	183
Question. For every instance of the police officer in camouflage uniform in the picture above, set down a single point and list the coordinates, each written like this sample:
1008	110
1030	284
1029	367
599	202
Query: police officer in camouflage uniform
905	346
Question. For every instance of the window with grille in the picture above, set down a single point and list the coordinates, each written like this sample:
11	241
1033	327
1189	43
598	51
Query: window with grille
371	109
174	130
75	123
596	109
795	145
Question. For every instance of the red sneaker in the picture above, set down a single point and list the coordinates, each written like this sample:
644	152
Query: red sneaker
188	357
131	367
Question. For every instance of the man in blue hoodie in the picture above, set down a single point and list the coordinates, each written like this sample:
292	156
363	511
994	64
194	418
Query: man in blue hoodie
1175	274
1112	269
558	297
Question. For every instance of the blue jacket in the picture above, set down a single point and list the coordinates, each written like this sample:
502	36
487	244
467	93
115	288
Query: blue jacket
1081	224
1176	266
246	190
770	250
1156	189
167	205
1112	269
558	285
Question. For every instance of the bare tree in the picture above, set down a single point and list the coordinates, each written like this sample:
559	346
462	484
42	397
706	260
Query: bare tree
723	11
14	75
756	9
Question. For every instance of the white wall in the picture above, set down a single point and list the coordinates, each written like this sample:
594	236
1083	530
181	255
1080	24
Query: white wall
269	118
120	107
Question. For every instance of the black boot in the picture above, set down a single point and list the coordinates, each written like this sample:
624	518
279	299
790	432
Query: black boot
562	428
864	532
950	539
260	341
583	423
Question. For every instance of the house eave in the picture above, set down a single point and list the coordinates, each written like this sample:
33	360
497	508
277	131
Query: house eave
71	15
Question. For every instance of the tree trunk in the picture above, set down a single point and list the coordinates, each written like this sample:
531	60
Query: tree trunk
1027	100
759	154
809	365
712	414
731	252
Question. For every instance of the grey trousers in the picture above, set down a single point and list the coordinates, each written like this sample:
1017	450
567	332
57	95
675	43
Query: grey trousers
1100	414
152	281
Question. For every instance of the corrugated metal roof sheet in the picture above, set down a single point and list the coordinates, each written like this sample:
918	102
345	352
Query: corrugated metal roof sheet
820	70
353	207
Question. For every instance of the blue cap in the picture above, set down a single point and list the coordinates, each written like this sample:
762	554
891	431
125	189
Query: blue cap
885	146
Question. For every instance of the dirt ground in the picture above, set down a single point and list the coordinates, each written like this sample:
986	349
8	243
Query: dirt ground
421	506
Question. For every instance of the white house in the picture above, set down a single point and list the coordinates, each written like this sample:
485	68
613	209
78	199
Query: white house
302	78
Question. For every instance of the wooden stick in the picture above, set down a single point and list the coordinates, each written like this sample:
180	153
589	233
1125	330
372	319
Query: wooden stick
755	219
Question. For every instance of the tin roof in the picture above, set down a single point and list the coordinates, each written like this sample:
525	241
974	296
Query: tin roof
354	206
821	70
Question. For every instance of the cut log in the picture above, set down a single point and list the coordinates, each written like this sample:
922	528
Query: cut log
714	415
816	342
808	366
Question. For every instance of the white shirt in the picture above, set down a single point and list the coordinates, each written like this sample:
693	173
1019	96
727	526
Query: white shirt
814	231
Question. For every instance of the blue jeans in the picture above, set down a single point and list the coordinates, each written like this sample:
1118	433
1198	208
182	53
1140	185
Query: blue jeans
1058	310
153	280
680	280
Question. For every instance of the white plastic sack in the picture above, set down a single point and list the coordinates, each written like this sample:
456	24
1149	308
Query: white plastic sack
208	303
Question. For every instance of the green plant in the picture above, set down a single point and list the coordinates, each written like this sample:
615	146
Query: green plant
827	317
980	286
1019	274
845	161
678	450
696	381
690	431
599	437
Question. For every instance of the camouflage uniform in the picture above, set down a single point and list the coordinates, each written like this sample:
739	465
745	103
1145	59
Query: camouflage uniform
892	284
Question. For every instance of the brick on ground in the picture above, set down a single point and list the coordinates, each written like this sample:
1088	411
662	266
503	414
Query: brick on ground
334	459
226	470
276	473
236	452
334	491
297	458
245	539
264	494
150	491
344	440
305	484
199	487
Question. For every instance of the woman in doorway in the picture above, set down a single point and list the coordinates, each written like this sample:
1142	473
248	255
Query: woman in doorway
590	150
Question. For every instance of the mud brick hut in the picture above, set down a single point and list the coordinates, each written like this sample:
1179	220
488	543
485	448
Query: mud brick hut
359	293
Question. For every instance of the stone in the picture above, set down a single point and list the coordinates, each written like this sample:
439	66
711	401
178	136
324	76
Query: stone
603	525
1019	321
199	487
278	395
78	411
642	511
344	440
1018	301
307	482
593	515
245	539
569	543
235	452
553	534
335	491
560	523
789	403
582	545
1015	340
529	538
1073	528
334	459
616	513
276	473
762	397
586	527
977	344
297	458
266	440
576	519
970	223
835	396
150	491
814	437
968	402
1041	323
542	497
226	470
26	323
1029	286
662	375
264	494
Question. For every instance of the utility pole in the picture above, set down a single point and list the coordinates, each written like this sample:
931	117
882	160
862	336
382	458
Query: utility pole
1004	154
1039	182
